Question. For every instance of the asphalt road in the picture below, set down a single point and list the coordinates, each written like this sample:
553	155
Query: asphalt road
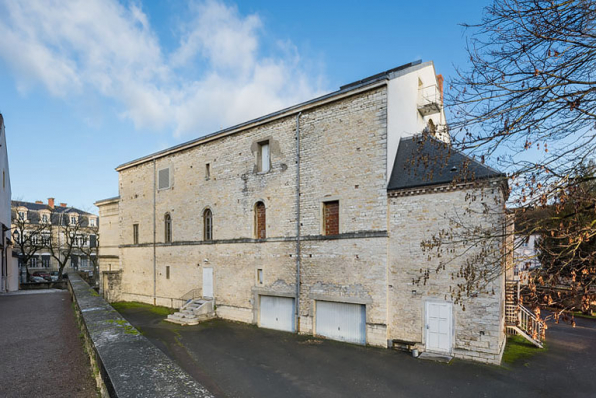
239	360
41	354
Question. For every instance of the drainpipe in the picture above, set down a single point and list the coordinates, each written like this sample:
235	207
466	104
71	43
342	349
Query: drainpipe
297	322
154	237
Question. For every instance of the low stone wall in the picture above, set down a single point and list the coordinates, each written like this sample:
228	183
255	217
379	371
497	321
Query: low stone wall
126	363
43	285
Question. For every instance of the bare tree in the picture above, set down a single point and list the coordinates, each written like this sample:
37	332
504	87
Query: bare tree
29	237
91	250
68	234
527	106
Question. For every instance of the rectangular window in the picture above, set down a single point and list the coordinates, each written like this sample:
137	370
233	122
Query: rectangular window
135	234
45	261
260	276
44	218
22	215
33	262
331	217
264	157
92	222
207	171
163	177
167	272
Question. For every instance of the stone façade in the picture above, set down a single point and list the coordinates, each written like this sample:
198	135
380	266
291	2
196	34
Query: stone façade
343	156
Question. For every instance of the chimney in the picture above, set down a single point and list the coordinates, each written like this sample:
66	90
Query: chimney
39	202
62	204
51	203
440	84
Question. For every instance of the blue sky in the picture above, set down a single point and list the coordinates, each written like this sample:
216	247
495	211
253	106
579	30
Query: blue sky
88	85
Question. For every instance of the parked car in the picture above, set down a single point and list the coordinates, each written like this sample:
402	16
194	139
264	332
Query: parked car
36	279
43	274
54	275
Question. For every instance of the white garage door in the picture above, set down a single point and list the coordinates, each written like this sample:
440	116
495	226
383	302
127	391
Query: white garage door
277	313
341	321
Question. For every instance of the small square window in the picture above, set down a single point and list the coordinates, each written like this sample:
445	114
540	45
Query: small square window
264	157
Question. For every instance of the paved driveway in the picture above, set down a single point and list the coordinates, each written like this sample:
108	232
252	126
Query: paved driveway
239	360
41	353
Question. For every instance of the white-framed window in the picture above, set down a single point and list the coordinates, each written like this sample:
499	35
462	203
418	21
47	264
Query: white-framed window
264	157
164	178
73	220
92	222
45	261
45	218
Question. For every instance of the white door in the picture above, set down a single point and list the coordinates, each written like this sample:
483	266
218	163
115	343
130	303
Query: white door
208	282
438	327
341	321
277	313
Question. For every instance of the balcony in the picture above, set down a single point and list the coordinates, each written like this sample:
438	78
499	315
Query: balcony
429	100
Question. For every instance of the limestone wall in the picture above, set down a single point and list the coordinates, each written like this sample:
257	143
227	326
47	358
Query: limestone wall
343	151
478	320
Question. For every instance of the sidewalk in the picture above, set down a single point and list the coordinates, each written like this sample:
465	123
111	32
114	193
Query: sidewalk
41	354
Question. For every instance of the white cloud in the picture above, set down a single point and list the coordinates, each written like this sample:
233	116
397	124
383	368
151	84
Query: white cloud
71	47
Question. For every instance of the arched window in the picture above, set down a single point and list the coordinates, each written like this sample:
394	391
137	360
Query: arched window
207	225
168	228
260	221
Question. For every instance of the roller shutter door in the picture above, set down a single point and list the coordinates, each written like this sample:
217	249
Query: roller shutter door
277	313
341	321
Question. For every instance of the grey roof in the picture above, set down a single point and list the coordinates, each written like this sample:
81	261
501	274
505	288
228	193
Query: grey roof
42	206
389	74
422	160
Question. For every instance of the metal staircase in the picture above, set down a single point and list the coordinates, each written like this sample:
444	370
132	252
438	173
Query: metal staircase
519	320
193	312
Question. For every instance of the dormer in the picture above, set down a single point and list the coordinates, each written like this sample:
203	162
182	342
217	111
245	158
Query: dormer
22	213
73	219
92	221
44	216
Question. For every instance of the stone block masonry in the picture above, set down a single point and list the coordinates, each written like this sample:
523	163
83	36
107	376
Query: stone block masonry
129	365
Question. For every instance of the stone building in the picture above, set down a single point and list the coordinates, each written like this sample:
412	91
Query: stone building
9	280
35	224
310	220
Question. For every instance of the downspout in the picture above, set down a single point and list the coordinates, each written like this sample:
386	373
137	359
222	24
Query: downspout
298	279
154	237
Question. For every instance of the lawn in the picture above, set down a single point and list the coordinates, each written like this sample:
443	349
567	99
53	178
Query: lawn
156	309
519	348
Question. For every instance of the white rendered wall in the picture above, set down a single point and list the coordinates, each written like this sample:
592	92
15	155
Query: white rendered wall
11	282
403	118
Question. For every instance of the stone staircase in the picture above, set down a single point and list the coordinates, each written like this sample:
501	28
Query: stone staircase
519	320
193	312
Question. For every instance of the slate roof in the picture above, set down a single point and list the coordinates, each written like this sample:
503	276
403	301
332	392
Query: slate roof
422	160
57	209
34	217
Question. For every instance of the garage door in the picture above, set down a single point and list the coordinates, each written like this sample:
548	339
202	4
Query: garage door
277	313
341	321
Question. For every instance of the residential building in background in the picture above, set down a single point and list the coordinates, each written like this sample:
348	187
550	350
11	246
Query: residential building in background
36	226
8	264
311	220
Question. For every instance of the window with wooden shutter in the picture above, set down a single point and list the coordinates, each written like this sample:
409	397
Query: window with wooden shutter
260	221
331	217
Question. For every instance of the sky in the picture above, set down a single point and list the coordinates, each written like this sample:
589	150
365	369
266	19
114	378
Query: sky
88	85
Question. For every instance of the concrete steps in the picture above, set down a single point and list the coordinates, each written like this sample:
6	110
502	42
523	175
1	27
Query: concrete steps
193	312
